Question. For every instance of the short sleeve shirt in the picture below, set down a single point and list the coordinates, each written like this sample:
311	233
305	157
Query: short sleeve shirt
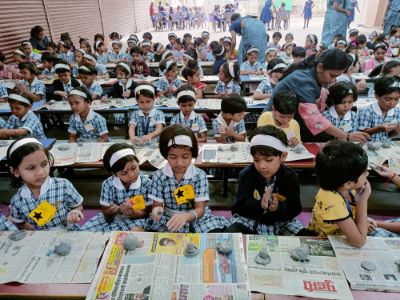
292	131
91	129
30	122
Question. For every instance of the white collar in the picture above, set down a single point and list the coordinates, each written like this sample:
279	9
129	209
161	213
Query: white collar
333	113
230	84
25	116
34	81
191	117
89	117
117	183
221	121
69	83
93	84
26	192
378	110
150	115
127	85
189	174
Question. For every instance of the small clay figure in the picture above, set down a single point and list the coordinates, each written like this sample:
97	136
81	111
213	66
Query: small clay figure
191	249
387	144
373	146
51	102
263	257
224	247
131	242
300	253
63	248
234	147
368	265
17	235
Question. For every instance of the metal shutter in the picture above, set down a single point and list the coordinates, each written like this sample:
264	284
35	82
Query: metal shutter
142	14
117	16
16	20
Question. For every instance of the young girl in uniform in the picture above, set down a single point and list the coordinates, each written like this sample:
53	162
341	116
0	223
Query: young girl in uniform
87	74
146	122
85	124
64	83
311	44
65	53
117	55
251	66
169	82
22	122
125	86
124	202
187	117
91	59
192	76
101	52
228	79
41	202
179	191
31	86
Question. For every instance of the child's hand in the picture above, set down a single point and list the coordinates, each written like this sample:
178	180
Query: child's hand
126	209
171	89
383	171
146	138
388	127
274	203
126	94
266	197
20	87
74	216
229	131
114	209
363	193
293	142
259	72
157	213
135	140
61	93
176	222
371	224
359	136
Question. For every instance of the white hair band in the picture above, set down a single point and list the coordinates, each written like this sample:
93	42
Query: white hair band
183	140
312	38
120	154
222	52
159	47
252	50
116	43
144	87
84	68
22	142
19	52
125	66
26	43
165	54
61	42
269	50
78	93
231	69
167	65
396	84
98	43
81	51
205	33
171	34
62	66
146	43
89	57
267	140
380	45
228	40
187	56
341	42
186	93
19	98
279	66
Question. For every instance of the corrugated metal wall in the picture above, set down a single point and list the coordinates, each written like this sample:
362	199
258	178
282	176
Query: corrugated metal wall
81	18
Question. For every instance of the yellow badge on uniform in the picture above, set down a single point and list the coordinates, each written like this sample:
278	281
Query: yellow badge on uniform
137	202
280	197
256	195
184	194
43	213
88	127
195	127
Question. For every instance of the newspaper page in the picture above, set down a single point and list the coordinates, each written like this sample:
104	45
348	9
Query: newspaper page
227	153
32	259
299	153
209	103
380	156
4	144
65	154
318	276
151	154
373	267
158	267
215	291
113	103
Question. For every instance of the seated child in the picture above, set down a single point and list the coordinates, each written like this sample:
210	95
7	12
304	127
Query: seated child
6	225
287	54
228	79
23	122
87	74
354	67
31	55
3	93
146	122
41	202
64	52
251	66
33	88
78	55
311	44
268	195
219	55
230	54
48	62
125	86
91	59
146	51
101	52
276	37
378	57
187	117
229	125
124	202
117	55
275	70
139	66
192	76
270	54
179	191
64	83
342	200
158	49
85	124
381	119
299	54
169	82
283	109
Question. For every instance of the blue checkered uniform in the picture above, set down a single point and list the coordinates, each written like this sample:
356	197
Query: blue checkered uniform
37	87
246	66
47	72
145	125
2	123
383	232
237	127
162	84
93	127
103	59
162	190
74	70
95	88
265	87
149	56
68	87
231	87
68	57
35	56
372	117
29	122
114	192
195	122
3	91
59	192
101	69
6	225
114	56
348	123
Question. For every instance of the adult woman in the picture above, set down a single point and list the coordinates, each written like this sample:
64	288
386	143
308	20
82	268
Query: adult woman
38	40
392	15
311	75
335	20
253	35
353	6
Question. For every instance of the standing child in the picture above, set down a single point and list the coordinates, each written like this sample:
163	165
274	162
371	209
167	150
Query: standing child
41	202
180	190
187	117
381	119
228	79
125	86
22	122
33	88
124	202
87	74
251	66
229	125
146	122
139	66
65	53
342	200
168	83
85	124
268	196
307	12
117	55
64	83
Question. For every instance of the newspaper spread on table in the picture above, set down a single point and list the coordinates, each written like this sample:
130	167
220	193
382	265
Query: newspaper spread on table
4	144
113	103
373	267
319	276
32	259
150	153
159	270
382	155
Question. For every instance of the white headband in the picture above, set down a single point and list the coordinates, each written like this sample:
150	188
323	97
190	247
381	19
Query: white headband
267	140
231	69
353	30
183	140
144	87
19	98
279	66
116	42
26	43
396	84
98	43
186	93
146	43
164	56
19	52
312	38
205	33
341	42
269	50
120	154
131	41
287	45
62	66
61	42
187	56
22	142
167	65
222	52
81	51
228	40
84	68
252	50
125	66
171	35
89	57
379	45
159	47
77	93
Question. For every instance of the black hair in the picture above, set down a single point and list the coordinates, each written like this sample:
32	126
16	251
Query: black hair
267	150
52	45
339	91
29	66
189	72
338	36
115	35
389	66
361	39
119	165
65	44
313	38
353	33
87	93
275	62
49	57
124	70
98	46
148	34
136	49
98	36
336	43
289	34
236	71
331	59
87	44
217	50
380	45
186	35
156	45
163	65
299	52
170	132
213	44
145	93
339	162
277	34
192	53
185	99
178	41
92	70
36	30
198	42
62	70
15	158
387	85
2	57
353	58
234	17
233	104
285	102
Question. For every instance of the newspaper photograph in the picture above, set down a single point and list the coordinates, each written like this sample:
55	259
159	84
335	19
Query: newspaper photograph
301	266
380	153
158	266
227	153
374	267
33	259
